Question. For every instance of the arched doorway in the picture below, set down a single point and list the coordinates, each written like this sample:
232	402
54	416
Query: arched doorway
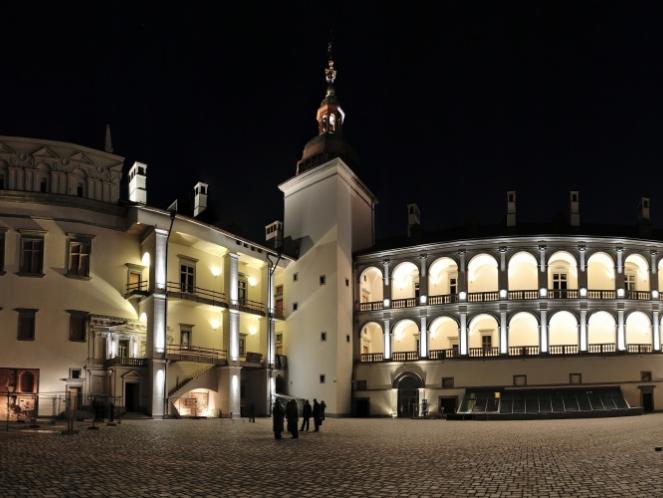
408	395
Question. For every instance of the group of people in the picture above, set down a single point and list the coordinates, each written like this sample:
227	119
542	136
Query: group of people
291	414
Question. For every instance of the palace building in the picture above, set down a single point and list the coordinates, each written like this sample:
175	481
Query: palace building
162	312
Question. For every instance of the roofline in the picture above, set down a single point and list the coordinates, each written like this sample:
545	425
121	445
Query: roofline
82	148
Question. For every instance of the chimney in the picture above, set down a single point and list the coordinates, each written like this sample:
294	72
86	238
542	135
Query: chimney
138	183
645	207
511	208
413	218
274	234
574	203
199	198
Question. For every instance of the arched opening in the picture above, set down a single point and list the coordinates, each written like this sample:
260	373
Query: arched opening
27	382
483	337
408	395
405	341
562	275
523	334
371	341
482	274
636	277
370	286
442	278
563	333
601	333
523	272
638	333
405	285
600	273
443	336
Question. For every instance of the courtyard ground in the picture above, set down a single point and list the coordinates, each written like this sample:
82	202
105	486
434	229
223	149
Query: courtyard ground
350	457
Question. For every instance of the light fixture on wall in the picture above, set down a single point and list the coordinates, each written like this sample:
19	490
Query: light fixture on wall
145	260
543	292
216	271
215	323
583	292
620	293
253	330
143	318
253	281
654	294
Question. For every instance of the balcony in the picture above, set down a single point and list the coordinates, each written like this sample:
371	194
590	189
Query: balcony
523	295
443	299
136	290
405	356
125	361
483	297
252	307
197	355
484	352
523	350
563	293
373	306
638	295
601	348
443	354
601	294
564	349
410	302
197	294
639	348
371	357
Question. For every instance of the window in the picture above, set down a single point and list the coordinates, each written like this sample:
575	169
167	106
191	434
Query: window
322	378
2	251
187	276
323	279
447	382
43	185
185	336
453	284
278	300
295	277
2	181
360	385
323	336
75	373
32	255
124	348
77	323
26	324
629	281
135	281
242	286
347	282
560	281
347	337
575	378
520	380
279	343
486	342
79	190
645	376
78	262
294	306
242	345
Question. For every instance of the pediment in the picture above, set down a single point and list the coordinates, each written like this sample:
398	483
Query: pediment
45	151
131	374
81	158
6	149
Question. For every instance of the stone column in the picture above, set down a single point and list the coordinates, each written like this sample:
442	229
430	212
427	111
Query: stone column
423	337
583	331
503	274
423	280
386	334
621	335
462	275
156	323
653	274
657	331
543	331
582	269
619	273
504	331
543	273
386	285
463	333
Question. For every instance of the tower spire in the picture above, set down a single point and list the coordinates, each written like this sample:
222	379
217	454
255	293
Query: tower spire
108	144
330	116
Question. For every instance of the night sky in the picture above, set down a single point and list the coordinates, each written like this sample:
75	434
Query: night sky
447	105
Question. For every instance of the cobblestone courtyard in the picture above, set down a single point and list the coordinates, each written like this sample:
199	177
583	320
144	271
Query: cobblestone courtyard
594	457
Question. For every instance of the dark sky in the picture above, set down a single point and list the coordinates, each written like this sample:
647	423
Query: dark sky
447	105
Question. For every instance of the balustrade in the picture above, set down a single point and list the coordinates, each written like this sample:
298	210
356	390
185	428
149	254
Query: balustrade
564	349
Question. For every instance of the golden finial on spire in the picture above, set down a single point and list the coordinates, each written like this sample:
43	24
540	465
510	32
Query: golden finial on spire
330	71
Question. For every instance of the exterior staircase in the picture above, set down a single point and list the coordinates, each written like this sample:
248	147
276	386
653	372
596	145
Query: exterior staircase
200	379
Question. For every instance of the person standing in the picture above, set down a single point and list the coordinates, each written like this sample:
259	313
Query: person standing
252	412
322	411
306	416
291	414
316	415
277	414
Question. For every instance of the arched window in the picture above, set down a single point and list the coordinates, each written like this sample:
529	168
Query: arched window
443	335
483	336
601	333
443	277
638	333
371	339
523	334
563	333
600	272
562	274
482	274
370	285
523	272
636	274
27	382
405	339
405	282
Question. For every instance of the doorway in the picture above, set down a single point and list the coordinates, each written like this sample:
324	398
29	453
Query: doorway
448	404
648	401
408	396
131	396
362	407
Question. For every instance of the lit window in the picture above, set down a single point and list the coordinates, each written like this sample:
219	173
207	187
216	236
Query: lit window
79	257
629	281
187	276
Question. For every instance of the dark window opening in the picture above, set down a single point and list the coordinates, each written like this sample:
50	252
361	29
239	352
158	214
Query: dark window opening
77	322
447	382
26	325
32	255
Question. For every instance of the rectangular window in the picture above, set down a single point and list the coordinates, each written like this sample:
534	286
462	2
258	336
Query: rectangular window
187	276
185	336
347	282
322	378
75	373
645	376
242	345
486	342
323	279
560	281
294	306
124	348
323	336
242	286
32	255
360	385
26	324
453	284
447	382
77	325
135	281
575	378
279	343
520	380
78	263
295	277
629	281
